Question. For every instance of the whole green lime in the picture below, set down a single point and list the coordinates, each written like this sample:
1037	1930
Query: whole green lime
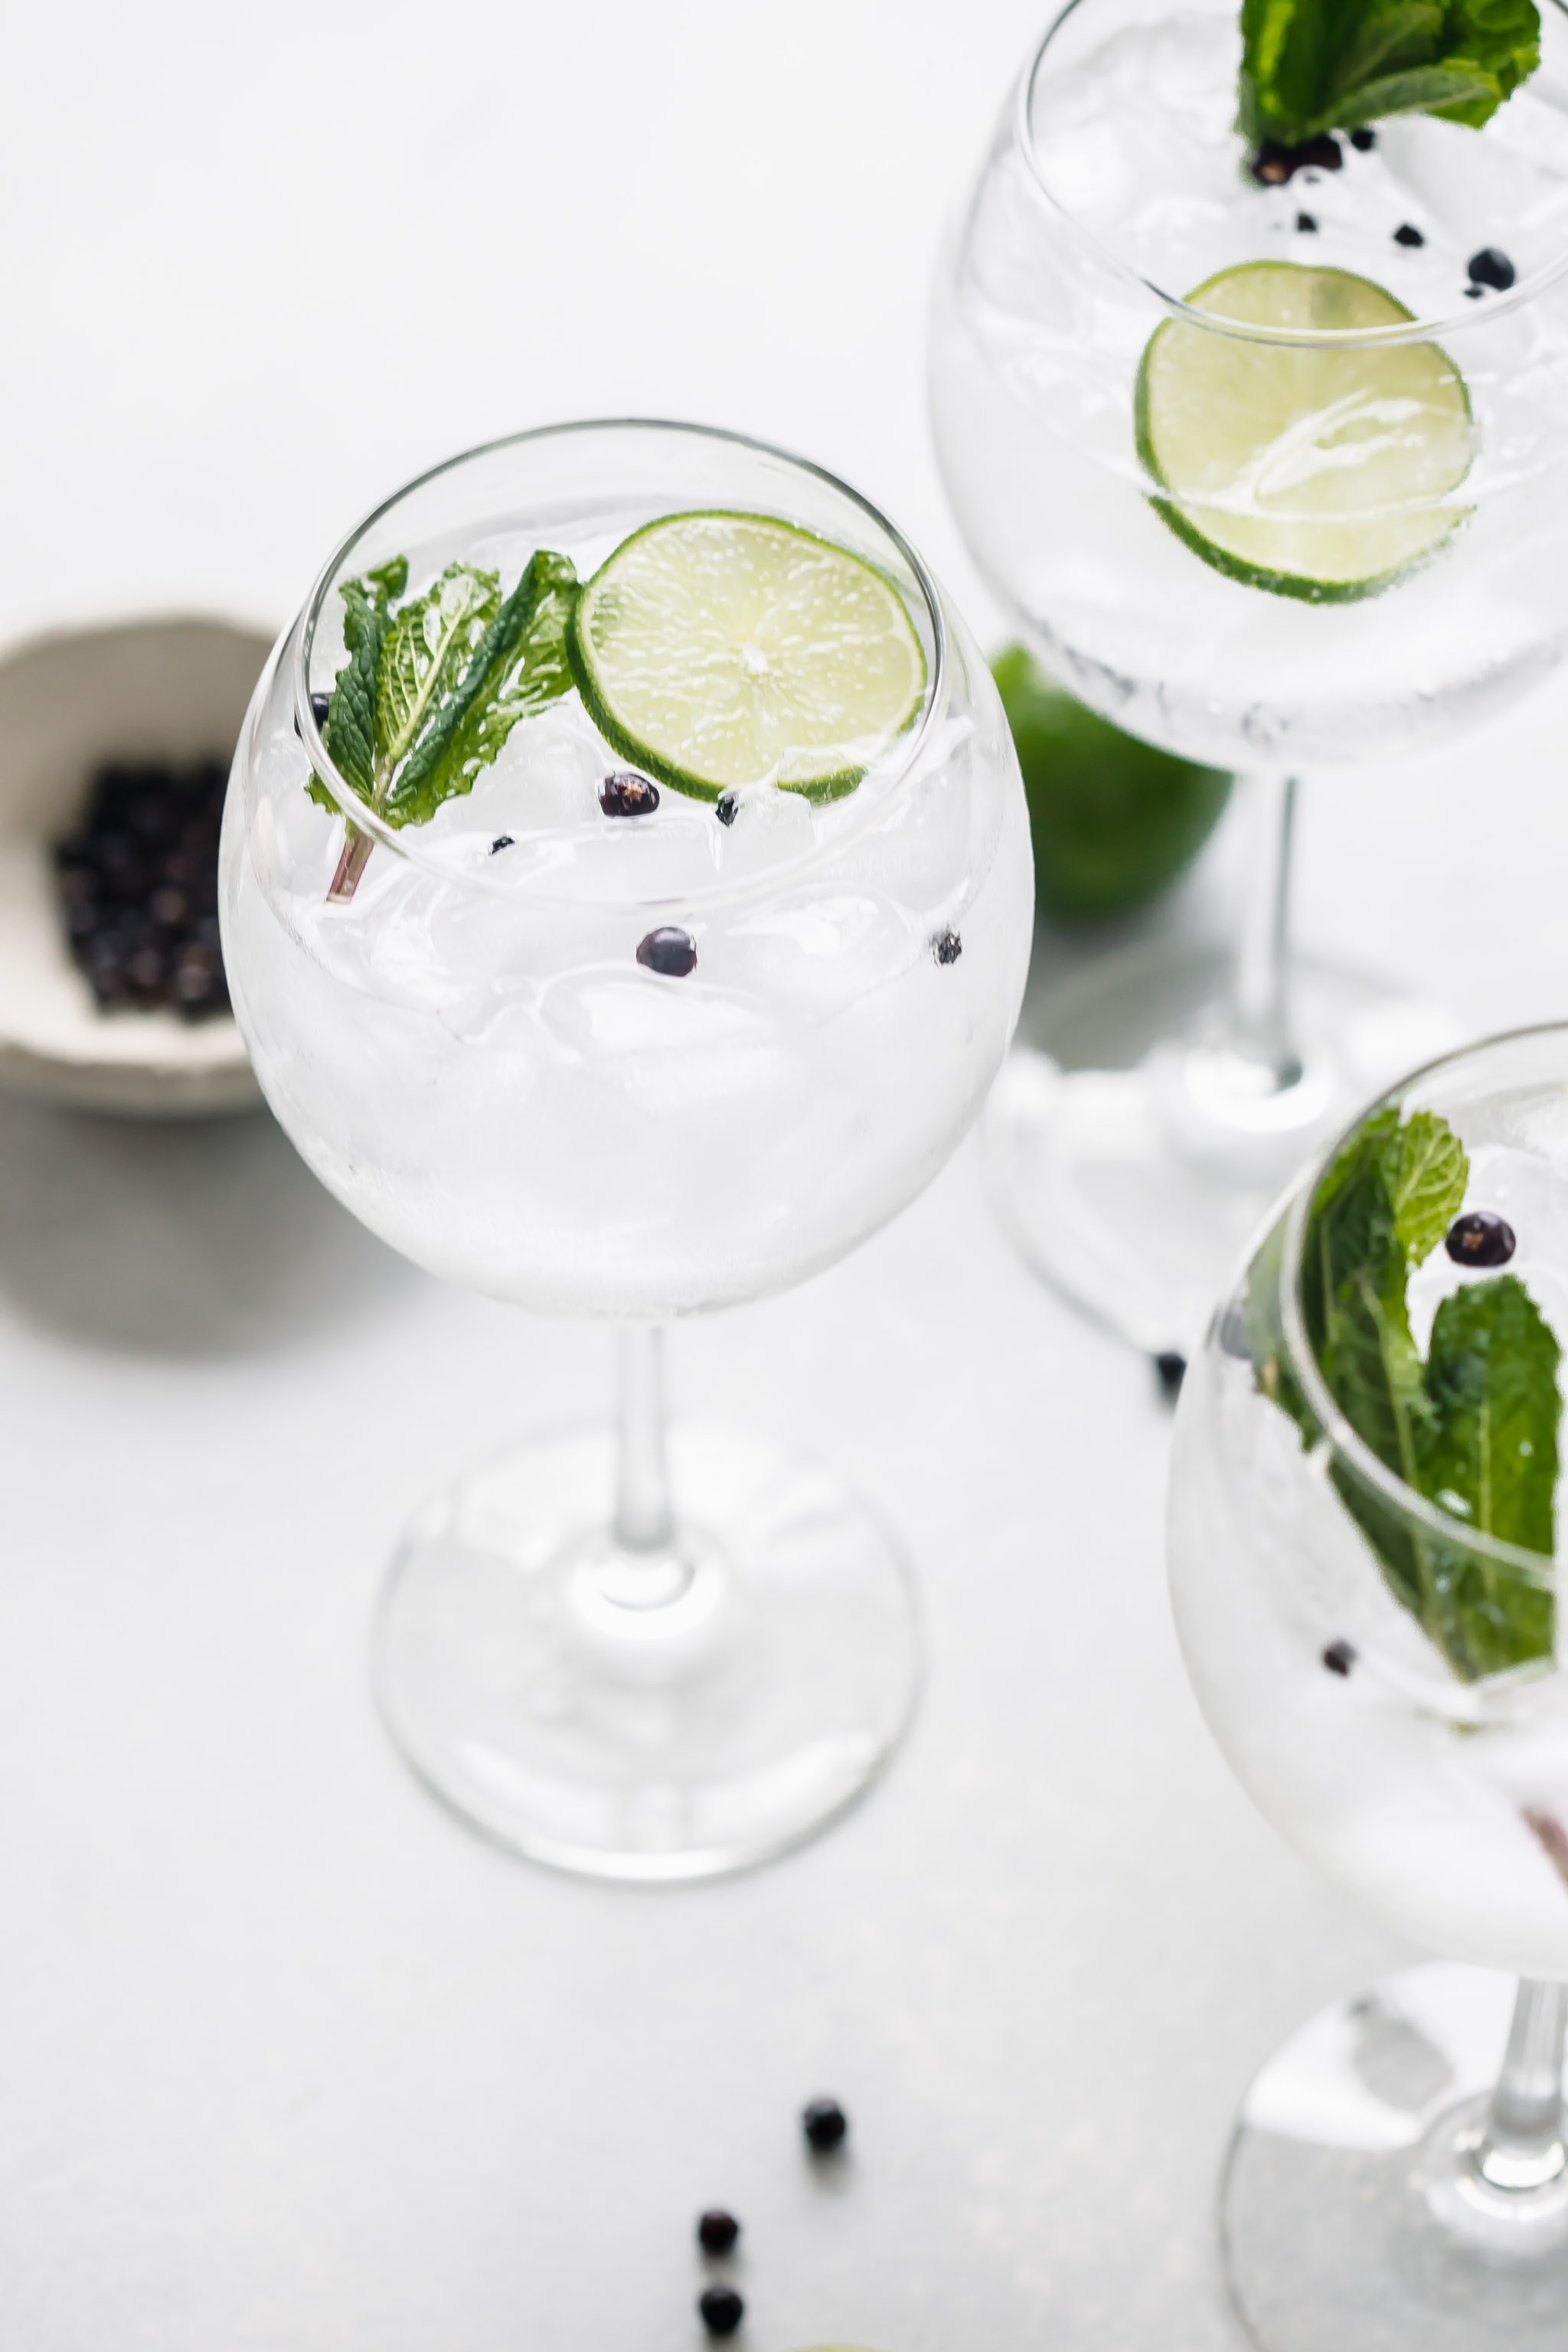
1114	821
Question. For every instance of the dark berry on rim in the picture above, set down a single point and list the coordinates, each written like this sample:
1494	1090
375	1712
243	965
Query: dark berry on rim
1339	1658
1306	224
722	2310
1171	1366
825	2122
1272	165
669	951
1363	139
1480	1237
628	794
726	807
319	706
1408	234
1491	267
716	2231
947	946
501	840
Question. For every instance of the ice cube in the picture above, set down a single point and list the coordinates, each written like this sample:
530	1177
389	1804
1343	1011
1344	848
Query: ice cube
814	949
769	829
920	852
630	1013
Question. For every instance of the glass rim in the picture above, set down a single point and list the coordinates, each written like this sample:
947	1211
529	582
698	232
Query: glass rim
1473	316
1538	1568
535	890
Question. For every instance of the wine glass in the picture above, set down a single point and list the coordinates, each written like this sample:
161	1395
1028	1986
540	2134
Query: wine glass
606	1049
1380	1658
1272	473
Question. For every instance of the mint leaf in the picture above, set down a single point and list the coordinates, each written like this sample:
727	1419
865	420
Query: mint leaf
1490	1459
349	732
1427	1173
1264	1338
1492	1374
1355	1261
1354	1264
1310	66
1473	1428
535	670
518	665
423	653
1286	68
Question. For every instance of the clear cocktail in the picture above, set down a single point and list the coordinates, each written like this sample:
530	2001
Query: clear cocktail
626	902
1265	450
1365	1569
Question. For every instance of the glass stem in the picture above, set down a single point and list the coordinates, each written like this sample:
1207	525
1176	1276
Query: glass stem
1522	2145
644	1521
1259	1011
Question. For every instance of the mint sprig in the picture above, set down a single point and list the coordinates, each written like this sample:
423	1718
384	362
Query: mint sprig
433	686
1473	1428
1310	66
423	655
349	731
518	665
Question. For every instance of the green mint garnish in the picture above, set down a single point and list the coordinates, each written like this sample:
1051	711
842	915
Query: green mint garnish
517	667
433	686
1310	66
1473	1428
423	655
349	731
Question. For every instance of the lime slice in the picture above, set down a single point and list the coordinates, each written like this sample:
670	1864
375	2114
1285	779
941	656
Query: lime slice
1316	472
714	650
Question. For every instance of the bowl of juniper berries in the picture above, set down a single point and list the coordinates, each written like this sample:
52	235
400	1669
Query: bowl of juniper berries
115	743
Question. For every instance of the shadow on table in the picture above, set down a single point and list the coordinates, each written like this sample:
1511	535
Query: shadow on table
211	1238
1070	960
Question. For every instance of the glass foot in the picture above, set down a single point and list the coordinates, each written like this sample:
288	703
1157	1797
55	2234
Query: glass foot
1353	2217
1132	1156
652	1717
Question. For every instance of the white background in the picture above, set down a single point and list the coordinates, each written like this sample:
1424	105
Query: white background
286	2060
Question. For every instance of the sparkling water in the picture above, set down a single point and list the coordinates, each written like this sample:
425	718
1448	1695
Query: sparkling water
470	1054
1119	181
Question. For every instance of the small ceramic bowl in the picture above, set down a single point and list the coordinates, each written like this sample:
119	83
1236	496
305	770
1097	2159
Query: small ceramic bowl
172	689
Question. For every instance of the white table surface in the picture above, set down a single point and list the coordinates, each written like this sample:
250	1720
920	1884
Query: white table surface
288	2061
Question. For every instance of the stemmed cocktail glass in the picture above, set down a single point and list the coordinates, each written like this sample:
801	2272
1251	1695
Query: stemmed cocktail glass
1272	473
1365	1554
576	1027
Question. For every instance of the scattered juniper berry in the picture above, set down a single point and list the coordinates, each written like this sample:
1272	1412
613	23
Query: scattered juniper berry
824	2124
722	2310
